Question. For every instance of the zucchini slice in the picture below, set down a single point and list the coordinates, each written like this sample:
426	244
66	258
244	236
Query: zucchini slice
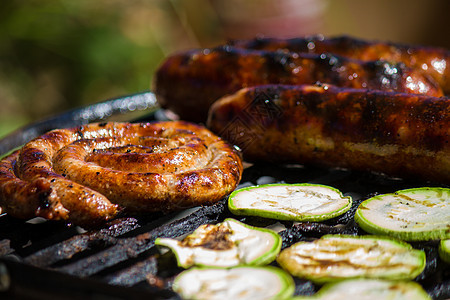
338	257
419	214
444	250
236	283
227	244
291	202
368	289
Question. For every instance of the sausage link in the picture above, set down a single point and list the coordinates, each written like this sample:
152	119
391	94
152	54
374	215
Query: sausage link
87	174
397	134
433	61
188	83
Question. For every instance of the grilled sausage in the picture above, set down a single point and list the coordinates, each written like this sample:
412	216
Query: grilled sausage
396	134
430	60
188	83
87	174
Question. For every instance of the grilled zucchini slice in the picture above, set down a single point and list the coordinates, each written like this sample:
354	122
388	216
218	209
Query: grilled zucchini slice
243	282
444	250
339	257
227	244
292	202
368	289
418	214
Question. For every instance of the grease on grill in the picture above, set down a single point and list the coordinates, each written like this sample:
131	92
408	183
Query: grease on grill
122	252
216	238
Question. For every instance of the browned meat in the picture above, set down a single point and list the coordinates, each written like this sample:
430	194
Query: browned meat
188	83
431	60
397	134
86	174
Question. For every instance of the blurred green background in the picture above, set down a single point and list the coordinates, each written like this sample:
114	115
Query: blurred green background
60	54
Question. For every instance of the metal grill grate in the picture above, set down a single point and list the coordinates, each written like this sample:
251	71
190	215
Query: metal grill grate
122	255
45	260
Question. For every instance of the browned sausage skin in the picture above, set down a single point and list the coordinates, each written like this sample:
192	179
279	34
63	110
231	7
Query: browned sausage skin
188	83
433	61
86	174
30	198
397	134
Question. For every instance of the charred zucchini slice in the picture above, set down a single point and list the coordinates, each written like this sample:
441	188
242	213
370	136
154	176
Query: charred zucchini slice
227	244
368	289
444	250
292	202
235	283
418	214
338	257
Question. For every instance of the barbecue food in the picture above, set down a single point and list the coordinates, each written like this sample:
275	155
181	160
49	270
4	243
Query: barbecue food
188	83
337	257
364	289
444	250
240	283
293	202
432	61
397	134
418	214
226	244
86	174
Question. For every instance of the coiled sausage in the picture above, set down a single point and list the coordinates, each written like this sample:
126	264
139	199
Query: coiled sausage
87	174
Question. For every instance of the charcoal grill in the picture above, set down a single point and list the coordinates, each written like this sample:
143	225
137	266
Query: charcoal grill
53	260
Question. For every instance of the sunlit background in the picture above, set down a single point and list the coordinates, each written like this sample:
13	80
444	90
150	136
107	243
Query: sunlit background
60	54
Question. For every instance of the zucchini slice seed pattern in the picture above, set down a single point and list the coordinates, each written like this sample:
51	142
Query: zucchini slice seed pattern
418	214
291	202
337	257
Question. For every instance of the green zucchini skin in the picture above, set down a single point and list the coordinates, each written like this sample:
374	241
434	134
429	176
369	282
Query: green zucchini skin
444	250
406	199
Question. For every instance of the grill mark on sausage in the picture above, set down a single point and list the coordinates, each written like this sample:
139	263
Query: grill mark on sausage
202	77
88	180
432	61
397	134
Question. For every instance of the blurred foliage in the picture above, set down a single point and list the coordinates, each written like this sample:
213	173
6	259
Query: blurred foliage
60	54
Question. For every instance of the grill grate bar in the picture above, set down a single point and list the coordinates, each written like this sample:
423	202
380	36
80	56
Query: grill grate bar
5	247
35	283
79	243
134	274
58	252
100	238
132	247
